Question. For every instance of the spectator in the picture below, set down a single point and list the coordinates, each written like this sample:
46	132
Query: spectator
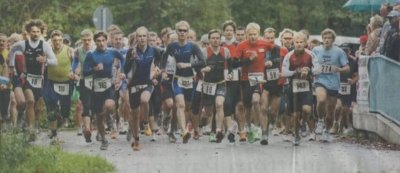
375	27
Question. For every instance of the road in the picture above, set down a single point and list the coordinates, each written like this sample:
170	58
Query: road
204	157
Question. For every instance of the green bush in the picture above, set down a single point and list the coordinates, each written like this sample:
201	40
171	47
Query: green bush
18	155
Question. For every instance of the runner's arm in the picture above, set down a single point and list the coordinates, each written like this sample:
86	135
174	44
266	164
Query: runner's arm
51	57
285	68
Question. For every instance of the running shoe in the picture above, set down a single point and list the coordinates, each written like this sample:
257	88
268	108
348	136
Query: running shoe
104	145
87	136
147	130
264	139
212	137
242	137
185	138
311	137
219	137
296	141
320	127
196	135
171	137
135	146
231	138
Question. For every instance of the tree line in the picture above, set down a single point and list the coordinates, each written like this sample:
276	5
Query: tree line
72	16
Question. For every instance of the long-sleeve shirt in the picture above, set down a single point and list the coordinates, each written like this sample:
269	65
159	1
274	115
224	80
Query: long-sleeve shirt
105	57
20	46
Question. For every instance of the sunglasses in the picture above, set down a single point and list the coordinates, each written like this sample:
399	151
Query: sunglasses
182	30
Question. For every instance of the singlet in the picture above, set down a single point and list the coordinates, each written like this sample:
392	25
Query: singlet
31	64
59	73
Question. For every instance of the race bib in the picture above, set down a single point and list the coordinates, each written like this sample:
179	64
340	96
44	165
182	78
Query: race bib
88	82
345	89
300	85
209	88
101	84
199	86
61	88
185	82
256	78
272	74
171	65
328	68
137	88
234	74
35	80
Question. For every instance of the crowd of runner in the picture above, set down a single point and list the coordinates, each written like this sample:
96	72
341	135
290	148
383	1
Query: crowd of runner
236	82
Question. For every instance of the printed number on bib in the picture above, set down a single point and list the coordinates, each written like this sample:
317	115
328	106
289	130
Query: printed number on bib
234	74
209	88
345	89
272	74
35	80
256	78
61	88
328	68
101	84
300	86
185	82
88	82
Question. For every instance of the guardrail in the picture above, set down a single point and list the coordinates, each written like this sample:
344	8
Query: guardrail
379	86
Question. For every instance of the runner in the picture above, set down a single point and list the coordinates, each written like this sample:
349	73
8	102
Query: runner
85	83
182	52
347	93
333	61
5	83
140	72
213	86
58	86
232	79
297	66
28	80
240	34
99	63
272	92
252	53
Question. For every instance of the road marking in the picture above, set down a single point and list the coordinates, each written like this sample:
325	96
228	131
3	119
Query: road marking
294	159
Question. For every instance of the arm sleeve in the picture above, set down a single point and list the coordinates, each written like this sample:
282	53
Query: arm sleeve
343	58
75	60
19	46
121	59
88	65
200	63
285	67
51	57
128	62
164	57
316	66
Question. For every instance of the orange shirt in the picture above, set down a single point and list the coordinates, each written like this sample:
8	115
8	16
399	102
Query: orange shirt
244	50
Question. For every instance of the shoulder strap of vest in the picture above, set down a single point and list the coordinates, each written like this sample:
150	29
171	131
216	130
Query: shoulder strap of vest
221	52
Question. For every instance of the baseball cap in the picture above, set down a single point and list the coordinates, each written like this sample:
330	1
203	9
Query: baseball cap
394	13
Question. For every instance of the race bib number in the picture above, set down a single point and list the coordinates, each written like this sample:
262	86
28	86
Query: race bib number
102	84
345	89
300	86
234	74
171	65
61	88
209	88
256	78
328	69
88	82
137	88
35	80
185	82
272	74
